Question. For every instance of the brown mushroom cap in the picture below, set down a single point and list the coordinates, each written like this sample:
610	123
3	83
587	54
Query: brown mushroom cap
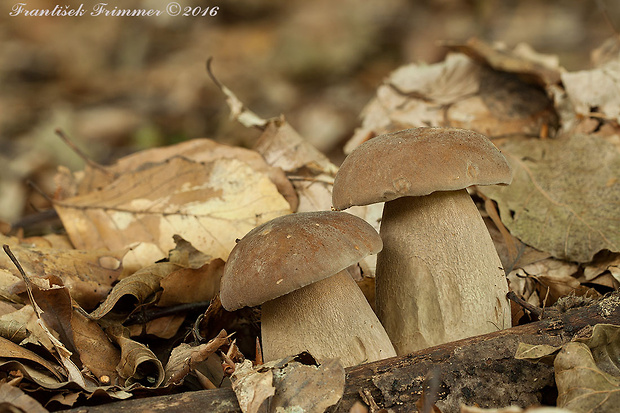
417	162
292	251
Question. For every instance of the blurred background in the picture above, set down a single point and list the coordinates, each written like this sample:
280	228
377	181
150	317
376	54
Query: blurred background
116	85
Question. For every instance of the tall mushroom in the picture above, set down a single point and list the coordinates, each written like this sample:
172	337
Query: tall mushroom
296	267
438	277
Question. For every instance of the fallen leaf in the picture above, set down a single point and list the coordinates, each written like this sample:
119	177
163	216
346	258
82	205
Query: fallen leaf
210	204
88	275
595	91
184	358
140	285
283	147
187	285
582	386
296	383
537	352
163	327
252	387
15	400
303	387
137	364
463	93
523	60
12	351
561	199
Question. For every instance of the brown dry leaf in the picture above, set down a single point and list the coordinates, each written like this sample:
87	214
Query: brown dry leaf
211	204
563	198
253	387
138	364
605	261
283	147
87	274
523	60
186	358
12	351
81	336
26	318
457	92
295	383
307	387
163	327
186	285
595	91
197	150
15	400
186	256
582	385
140	285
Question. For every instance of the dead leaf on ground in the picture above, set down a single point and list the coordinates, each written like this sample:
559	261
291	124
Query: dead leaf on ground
582	385
295	383
461	92
137	363
211	204
15	400
595	92
564	197
139	285
88	274
185	358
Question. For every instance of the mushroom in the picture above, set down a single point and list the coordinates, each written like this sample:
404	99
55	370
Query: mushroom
296	267
438	277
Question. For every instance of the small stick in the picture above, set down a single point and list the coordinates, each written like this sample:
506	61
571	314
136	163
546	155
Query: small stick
80	153
529	307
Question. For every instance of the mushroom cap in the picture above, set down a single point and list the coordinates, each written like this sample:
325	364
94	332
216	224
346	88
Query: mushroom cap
417	162
292	251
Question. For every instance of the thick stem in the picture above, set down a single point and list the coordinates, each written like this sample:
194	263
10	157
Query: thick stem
439	277
330	318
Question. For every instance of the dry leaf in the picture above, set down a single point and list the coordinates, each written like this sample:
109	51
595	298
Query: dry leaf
563	198
87	274
306	387
283	147
186	285
185	358
163	327
15	400
595	90
81	336
486	94
210	204
12	351
138	364
523	60
295	383
252	387
140	285
582	386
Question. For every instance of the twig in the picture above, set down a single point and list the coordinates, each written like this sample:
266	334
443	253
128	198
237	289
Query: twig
536	311
80	153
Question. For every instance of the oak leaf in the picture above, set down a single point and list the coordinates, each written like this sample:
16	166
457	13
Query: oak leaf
211	204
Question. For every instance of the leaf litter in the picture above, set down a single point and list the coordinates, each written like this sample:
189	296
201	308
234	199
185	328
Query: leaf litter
152	232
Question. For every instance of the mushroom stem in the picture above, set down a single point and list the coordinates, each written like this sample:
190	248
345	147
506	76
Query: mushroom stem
439	277
330	318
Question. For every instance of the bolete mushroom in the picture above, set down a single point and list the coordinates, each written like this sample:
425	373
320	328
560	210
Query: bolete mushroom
296	267
438	277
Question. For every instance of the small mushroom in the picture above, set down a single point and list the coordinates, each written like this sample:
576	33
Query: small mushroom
438	277
296	267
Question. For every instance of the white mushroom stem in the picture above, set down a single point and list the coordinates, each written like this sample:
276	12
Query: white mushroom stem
330	318
439	277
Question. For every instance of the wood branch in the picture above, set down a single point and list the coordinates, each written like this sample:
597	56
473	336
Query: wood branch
479	370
